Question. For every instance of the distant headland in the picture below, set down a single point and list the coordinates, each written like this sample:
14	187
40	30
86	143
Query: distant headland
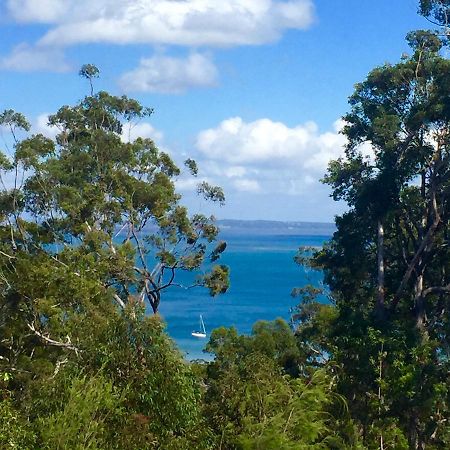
272	227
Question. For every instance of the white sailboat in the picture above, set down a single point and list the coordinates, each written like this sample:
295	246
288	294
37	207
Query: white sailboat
202	332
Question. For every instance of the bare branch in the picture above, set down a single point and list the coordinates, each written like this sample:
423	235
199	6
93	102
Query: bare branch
46	340
119	301
170	282
436	290
8	256
59	363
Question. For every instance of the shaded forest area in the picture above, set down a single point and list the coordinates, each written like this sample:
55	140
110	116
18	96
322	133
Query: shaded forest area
85	362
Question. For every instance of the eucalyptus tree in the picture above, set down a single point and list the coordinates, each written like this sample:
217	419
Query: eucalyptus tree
387	265
90	218
402	112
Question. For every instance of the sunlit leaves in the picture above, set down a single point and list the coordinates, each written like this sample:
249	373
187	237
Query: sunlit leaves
210	192
217	280
13	120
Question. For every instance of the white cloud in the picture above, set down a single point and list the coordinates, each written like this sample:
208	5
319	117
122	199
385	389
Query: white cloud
41	126
179	22
27	58
186	184
235	171
144	130
247	185
170	75
40	11
266	156
264	142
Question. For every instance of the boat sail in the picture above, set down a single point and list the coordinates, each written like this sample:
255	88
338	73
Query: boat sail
202	332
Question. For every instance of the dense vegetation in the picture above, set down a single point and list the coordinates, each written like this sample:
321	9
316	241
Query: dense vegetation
387	266
92	232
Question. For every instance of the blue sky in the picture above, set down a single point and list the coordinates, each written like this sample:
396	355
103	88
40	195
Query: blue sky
252	89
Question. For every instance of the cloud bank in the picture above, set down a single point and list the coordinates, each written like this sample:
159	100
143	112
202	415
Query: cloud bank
214	23
267	156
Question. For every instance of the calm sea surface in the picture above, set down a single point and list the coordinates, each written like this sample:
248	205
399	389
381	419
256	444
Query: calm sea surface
263	274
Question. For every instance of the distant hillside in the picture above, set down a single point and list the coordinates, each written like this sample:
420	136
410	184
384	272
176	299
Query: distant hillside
271	227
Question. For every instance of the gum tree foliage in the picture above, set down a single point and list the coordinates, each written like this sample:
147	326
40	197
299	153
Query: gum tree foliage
90	226
89	71
15	431
257	397
437	11
129	388
387	265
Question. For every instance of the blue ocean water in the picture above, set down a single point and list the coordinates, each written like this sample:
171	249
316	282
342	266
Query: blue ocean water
263	274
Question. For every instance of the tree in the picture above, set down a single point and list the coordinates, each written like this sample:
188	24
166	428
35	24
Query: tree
91	228
387	264
256	396
129	388
89	71
83	190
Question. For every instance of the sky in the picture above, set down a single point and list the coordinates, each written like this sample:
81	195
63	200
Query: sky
253	90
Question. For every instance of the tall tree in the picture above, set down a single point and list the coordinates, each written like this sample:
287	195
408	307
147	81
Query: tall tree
88	219
387	265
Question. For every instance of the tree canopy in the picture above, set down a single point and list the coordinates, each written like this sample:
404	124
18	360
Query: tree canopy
93	232
387	264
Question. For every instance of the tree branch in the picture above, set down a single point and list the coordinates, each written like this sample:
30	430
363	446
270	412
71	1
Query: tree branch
119	301
436	290
427	240
52	342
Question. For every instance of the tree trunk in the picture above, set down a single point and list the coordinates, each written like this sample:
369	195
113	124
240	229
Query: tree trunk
419	301
412	435
380	269
419	298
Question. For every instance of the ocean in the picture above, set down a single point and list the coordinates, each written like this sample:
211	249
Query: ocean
263	274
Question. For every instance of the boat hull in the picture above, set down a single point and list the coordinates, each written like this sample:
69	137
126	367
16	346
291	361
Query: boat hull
198	334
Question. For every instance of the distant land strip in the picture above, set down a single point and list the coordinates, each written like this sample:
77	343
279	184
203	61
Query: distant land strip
262	227
273	227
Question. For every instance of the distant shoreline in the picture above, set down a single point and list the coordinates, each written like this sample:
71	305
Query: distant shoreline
273	228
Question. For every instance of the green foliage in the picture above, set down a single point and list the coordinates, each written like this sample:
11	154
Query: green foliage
192	166
95	220
15	432
216	281
437	11
83	416
291	415
159	384
89	71
211	192
385	335
92	233
129	388
255	399
313	321
14	120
